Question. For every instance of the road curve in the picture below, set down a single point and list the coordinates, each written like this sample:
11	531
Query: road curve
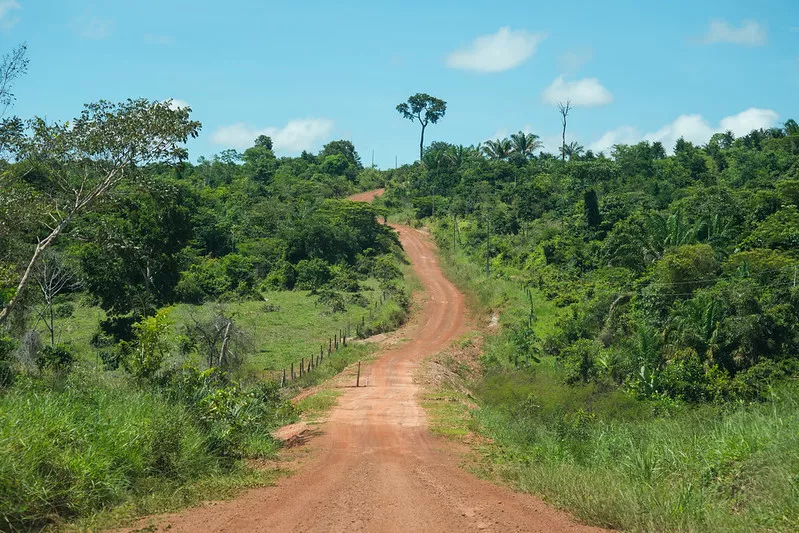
376	467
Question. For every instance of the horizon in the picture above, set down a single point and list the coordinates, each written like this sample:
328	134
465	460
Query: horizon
341	73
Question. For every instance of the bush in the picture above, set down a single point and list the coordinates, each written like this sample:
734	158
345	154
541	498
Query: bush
58	357
312	274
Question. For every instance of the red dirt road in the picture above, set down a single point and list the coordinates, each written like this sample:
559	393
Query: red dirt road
376	467
367	196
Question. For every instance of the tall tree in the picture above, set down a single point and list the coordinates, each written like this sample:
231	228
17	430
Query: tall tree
564	109
524	144
425	109
12	66
499	149
87	159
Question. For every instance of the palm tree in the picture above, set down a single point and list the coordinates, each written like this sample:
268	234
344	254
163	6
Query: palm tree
573	149
499	149
525	144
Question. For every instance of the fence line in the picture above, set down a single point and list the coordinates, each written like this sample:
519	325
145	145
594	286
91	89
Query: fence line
334	344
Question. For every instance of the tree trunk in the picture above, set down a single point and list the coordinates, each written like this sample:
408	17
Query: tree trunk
52	323
421	143
223	352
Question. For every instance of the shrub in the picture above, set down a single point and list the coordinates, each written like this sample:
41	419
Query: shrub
58	357
312	274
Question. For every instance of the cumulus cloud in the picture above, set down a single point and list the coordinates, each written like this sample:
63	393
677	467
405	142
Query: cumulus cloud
8	14
622	135
496	52
297	135
93	28
750	33
751	119
585	92
693	128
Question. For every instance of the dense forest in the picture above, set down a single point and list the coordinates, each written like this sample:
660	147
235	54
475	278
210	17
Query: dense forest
644	371
677	273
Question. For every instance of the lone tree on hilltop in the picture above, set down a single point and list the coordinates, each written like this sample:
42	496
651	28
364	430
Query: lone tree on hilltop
424	108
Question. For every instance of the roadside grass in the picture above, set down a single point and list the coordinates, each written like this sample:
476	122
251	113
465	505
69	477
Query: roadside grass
608	457
173	496
448	414
315	406
710	468
84	444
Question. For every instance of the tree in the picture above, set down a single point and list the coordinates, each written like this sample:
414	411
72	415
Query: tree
499	149
344	148
87	159
791	127
52	277
423	108
572	150
564	109
12	66
524	144
264	141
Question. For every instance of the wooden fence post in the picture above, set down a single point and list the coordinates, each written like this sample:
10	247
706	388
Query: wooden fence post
293	377
302	365
358	379
283	380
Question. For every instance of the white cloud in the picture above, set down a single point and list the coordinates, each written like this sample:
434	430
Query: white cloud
622	135
573	60
93	28
693	128
8	16
177	103
297	135
585	92
496	52
750	33
751	119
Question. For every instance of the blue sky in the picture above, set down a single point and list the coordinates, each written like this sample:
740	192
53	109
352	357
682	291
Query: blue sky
307	72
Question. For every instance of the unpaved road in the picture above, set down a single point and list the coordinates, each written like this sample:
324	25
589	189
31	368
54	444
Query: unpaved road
376	467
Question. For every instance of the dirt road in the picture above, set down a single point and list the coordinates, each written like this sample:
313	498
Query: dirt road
376	467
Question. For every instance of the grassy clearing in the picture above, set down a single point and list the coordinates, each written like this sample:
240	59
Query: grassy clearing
284	327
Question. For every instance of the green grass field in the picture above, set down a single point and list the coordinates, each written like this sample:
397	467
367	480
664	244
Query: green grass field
282	328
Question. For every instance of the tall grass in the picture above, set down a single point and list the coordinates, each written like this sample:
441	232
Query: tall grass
84	446
732	468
